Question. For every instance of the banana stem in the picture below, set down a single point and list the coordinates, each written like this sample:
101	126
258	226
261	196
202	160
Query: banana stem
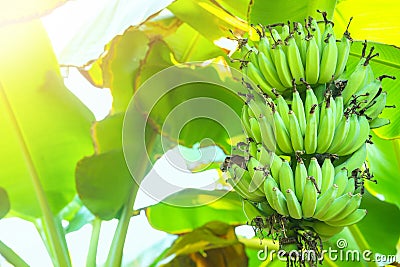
329	262
12	257
94	241
361	242
254	243
117	246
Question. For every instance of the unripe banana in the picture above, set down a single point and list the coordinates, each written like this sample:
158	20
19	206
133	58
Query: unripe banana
353	218
350	187
355	81
351	206
301	42
367	94
241	182
309	202
267	133
352	136
312	61
340	136
293	205
285	32
333	106
338	205
377	108
354	161
326	128
341	180
276	37
324	229
256	76
258	107
269	184
286	179
378	122
329	56
315	171
324	201
343	51
328	175
279	202
371	91
264	47
294	60
245	121
282	134
276	166
311	135
265	208
281	64
251	211
339	108
253	149
298	109
269	72
316	32
283	109
300	179
242	191
362	136
257	175
311	102
255	129
295	133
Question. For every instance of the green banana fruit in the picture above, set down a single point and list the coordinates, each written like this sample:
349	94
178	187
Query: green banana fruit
353	218
309	201
328	175
286	179
295	133
325	201
293	205
300	179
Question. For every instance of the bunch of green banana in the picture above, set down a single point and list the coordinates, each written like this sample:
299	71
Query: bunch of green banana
310	192
277	58
307	122
305	125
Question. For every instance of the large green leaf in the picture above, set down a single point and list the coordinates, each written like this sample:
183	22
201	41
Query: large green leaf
154	254
4	203
386	63
189	45
12	12
97	26
208	18
45	129
384	161
213	244
384	215
103	182
267	12
188	209
117	69
237	8
373	20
